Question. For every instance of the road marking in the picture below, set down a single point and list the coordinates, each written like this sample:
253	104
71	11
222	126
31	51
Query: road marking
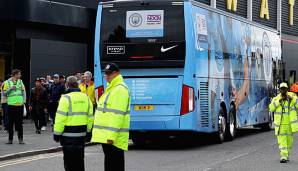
27	160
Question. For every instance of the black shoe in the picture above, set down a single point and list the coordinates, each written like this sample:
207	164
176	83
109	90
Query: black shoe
9	142
21	142
283	161
37	132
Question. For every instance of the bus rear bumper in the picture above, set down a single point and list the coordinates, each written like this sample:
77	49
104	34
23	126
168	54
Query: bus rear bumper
154	123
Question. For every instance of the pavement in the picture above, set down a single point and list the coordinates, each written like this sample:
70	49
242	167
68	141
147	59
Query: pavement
35	143
252	150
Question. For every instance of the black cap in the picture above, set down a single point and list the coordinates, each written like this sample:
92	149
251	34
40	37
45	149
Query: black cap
62	76
111	67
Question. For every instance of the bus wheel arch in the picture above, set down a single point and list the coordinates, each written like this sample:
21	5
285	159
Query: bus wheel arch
232	123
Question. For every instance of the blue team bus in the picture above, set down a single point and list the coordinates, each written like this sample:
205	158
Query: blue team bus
189	67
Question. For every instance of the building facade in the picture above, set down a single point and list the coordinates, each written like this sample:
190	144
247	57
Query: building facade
43	37
56	36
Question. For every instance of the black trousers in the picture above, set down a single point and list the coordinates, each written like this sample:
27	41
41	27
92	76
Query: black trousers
114	158
52	108
73	157
38	116
15	117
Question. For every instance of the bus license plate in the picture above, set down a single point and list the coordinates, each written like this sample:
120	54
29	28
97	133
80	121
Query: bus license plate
144	107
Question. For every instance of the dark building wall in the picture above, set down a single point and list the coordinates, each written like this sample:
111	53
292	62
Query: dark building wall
84	3
6	9
57	23
50	57
289	54
53	13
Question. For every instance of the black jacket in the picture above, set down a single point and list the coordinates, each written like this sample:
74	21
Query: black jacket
56	90
40	101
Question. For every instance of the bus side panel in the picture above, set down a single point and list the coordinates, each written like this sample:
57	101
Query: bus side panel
234	65
205	119
97	68
189	121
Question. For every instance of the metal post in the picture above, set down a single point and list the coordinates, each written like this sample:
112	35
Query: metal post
279	16
249	10
213	3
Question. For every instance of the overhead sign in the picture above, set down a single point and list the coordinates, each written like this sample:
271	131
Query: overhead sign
264	13
145	23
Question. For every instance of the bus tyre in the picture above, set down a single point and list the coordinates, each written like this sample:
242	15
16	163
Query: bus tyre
231	126
221	134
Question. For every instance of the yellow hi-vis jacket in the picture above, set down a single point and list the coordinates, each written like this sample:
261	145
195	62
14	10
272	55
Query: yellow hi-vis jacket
112	117
74	117
285	112
89	90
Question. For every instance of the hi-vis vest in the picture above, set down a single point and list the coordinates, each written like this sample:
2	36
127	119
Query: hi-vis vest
112	117
74	117
15	97
285	112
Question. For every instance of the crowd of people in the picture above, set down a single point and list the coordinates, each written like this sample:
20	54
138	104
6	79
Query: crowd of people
43	98
71	104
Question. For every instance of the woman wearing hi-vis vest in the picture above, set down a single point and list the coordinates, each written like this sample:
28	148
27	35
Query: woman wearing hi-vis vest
14	89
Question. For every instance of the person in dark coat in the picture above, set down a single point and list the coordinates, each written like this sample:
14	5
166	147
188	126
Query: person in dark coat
56	90
38	105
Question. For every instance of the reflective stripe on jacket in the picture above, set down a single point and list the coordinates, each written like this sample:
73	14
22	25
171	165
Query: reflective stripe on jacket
74	117
112	117
285	112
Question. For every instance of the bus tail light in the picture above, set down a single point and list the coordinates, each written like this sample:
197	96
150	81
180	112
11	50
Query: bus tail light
187	100
99	92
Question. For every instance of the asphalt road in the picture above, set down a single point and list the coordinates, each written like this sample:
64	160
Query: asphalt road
251	150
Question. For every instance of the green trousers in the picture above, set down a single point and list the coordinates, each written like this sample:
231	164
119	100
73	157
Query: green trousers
285	141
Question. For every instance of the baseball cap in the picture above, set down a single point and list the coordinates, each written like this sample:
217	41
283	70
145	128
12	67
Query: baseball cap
37	79
111	67
283	85
56	76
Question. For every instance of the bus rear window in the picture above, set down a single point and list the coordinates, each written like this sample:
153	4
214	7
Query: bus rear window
143	35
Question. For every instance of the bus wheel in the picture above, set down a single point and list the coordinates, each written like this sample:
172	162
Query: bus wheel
220	135
231	127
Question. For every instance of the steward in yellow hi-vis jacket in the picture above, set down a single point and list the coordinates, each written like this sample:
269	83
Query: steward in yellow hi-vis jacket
73	124
112	118
284	106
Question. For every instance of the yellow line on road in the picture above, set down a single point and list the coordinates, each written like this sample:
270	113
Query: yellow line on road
27	160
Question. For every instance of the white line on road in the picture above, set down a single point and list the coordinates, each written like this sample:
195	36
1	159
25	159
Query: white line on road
35	158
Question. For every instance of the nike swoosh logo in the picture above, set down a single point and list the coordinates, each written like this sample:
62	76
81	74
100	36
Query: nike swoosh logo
167	49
